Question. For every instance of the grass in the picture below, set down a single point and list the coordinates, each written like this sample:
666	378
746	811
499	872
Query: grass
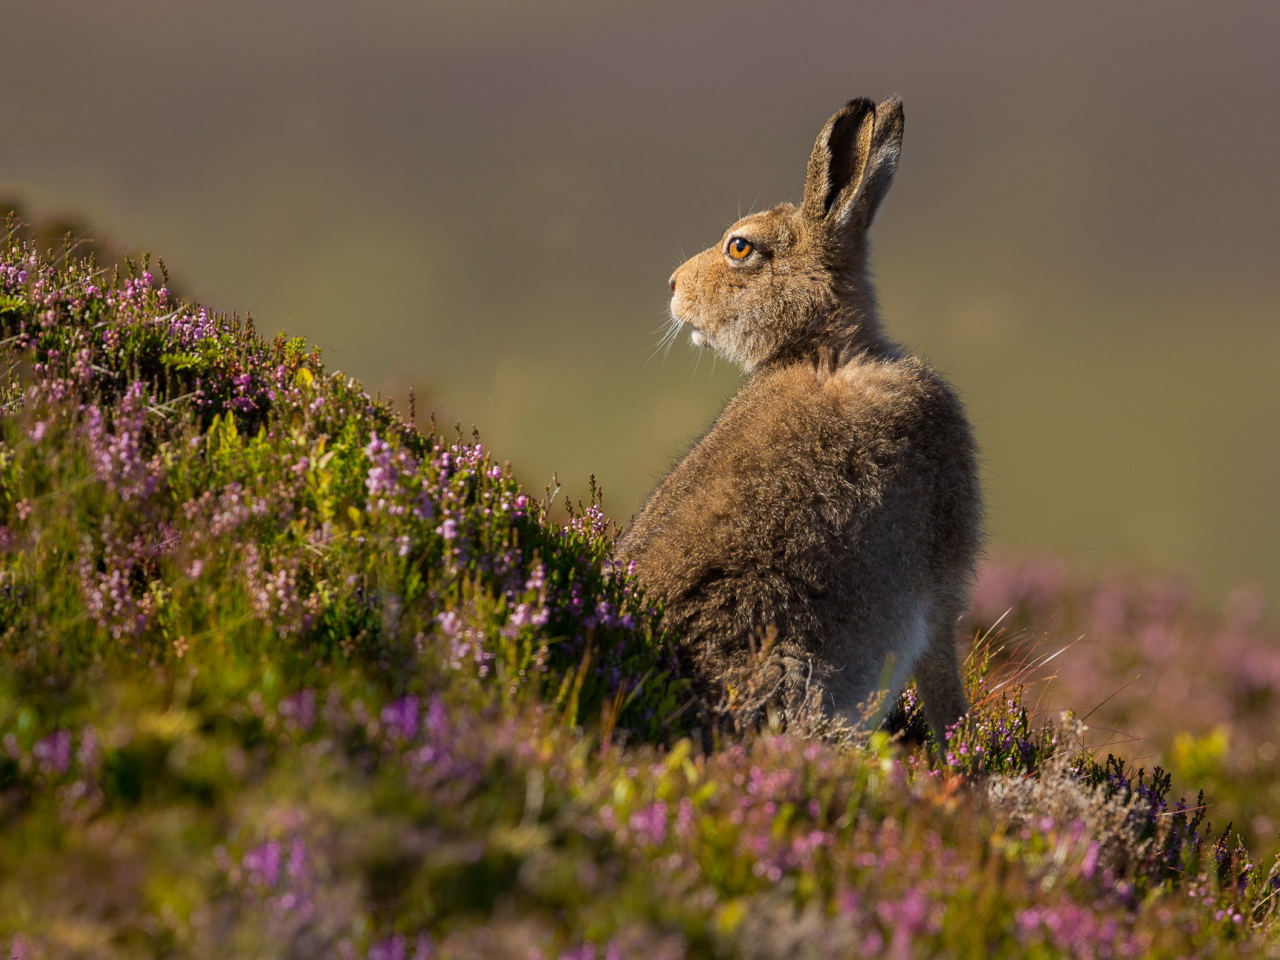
283	675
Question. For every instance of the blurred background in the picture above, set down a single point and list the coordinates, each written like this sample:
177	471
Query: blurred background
482	200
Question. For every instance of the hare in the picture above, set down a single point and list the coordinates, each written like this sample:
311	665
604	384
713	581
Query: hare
819	542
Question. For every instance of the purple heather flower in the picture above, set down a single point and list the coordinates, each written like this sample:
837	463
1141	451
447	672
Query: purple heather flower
262	863
83	368
437	718
88	754
117	453
299	709
108	594
592	523
393	948
401	718
465	643
649	824
275	595
685	818
54	752
297	868
908	917
397	947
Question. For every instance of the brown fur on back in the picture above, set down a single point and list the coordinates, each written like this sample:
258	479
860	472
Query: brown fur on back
832	511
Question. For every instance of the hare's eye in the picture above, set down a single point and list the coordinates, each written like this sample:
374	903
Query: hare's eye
740	249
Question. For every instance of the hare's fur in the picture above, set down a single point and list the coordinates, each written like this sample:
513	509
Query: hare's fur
820	540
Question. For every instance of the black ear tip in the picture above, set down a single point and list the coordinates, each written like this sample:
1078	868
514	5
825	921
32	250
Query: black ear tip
891	109
889	120
857	107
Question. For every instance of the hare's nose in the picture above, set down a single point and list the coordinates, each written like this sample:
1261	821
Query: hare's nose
672	283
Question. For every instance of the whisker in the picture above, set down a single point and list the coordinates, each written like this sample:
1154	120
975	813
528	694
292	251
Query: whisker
660	331
671	339
663	346
653	351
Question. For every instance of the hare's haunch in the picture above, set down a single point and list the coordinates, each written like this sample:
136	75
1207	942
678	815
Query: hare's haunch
818	544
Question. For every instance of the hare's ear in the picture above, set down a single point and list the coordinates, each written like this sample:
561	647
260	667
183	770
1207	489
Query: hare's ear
853	163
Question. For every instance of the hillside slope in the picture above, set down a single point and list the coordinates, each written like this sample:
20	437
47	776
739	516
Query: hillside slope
282	675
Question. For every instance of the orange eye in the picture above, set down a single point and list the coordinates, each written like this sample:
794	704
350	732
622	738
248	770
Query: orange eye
740	249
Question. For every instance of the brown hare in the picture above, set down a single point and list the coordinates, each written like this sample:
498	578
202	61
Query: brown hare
819	543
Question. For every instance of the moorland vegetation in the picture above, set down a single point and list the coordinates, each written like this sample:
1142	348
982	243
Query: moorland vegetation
283	674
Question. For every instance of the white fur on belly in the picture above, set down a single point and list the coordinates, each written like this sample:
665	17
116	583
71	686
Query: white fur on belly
903	648
913	640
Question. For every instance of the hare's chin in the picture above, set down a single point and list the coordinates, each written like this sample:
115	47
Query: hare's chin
699	338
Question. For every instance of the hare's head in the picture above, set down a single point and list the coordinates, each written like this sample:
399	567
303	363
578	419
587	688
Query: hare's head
786	281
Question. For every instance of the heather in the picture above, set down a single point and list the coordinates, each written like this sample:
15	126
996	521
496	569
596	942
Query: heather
285	675
1164	677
